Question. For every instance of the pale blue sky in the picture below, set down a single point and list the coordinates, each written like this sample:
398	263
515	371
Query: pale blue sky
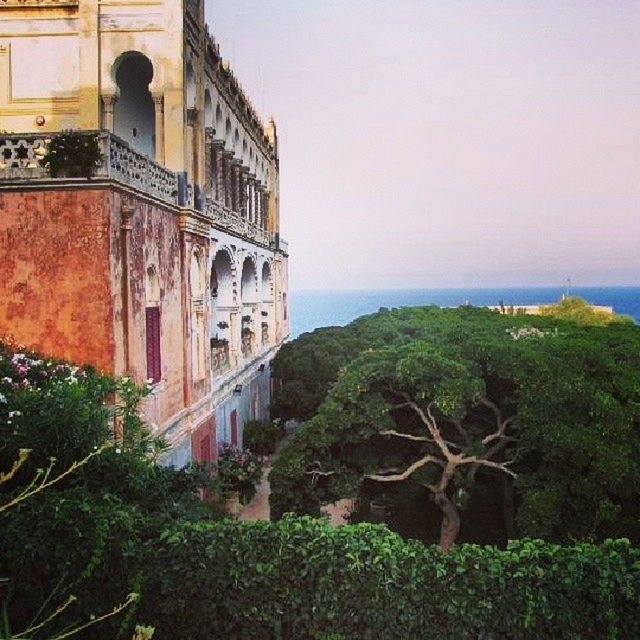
449	143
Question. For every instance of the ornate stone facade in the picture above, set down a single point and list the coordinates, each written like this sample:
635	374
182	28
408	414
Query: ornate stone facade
168	263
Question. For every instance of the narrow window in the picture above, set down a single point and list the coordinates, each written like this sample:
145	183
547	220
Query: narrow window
154	364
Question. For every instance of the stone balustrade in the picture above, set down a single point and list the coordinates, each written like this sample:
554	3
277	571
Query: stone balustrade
20	155
228	219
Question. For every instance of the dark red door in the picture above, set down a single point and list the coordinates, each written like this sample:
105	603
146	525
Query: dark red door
234	428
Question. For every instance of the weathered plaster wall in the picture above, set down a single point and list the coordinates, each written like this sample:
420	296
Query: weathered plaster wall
54	275
154	242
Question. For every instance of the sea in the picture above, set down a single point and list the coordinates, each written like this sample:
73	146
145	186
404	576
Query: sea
322	308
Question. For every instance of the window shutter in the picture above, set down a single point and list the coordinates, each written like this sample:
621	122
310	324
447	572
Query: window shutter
154	364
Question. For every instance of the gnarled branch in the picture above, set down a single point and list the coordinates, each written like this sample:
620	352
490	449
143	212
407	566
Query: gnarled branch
397	477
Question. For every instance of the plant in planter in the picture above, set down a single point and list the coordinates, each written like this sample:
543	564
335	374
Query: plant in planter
72	154
246	319
265	313
223	325
218	342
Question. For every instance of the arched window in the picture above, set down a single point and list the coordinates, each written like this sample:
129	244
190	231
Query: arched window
249	297
266	295
134	115
221	288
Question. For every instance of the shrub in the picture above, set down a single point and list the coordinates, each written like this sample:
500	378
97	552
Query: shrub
301	578
77	155
262	437
84	535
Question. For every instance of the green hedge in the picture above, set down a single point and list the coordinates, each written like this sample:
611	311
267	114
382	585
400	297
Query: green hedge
301	579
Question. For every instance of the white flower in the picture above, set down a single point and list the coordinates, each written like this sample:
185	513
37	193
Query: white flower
118	450
3	398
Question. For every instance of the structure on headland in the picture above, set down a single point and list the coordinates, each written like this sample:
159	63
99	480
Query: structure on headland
168	263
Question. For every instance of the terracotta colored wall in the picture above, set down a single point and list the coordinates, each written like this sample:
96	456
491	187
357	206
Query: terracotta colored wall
154	241
55	288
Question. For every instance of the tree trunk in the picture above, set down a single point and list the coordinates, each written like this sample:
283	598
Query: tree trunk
507	493
450	526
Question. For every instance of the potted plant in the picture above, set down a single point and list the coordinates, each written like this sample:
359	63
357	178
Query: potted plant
246	319
72	154
223	325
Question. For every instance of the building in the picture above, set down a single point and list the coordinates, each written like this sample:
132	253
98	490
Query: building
168	263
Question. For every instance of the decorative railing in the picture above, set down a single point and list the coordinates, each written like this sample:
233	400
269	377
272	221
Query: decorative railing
20	155
265	333
233	221
136	170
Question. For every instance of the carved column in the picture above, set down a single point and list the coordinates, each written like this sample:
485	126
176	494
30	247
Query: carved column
256	202
220	174
242	192
228	181
209	162
236	187
265	209
108	105
192	116
158	105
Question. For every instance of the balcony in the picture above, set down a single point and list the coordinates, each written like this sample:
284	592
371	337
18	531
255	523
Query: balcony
20	154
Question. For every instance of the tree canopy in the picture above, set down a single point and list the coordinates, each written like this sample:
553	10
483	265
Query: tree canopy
546	411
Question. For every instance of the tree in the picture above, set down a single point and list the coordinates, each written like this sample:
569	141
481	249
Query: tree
579	310
433	413
459	396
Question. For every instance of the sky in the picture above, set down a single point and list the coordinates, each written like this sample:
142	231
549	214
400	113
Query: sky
448	143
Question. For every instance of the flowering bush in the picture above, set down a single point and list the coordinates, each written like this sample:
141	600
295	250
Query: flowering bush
237	470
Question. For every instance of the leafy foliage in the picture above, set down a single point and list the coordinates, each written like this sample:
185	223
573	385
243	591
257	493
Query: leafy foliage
570	392
262	437
84	535
301	578
75	154
578	310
